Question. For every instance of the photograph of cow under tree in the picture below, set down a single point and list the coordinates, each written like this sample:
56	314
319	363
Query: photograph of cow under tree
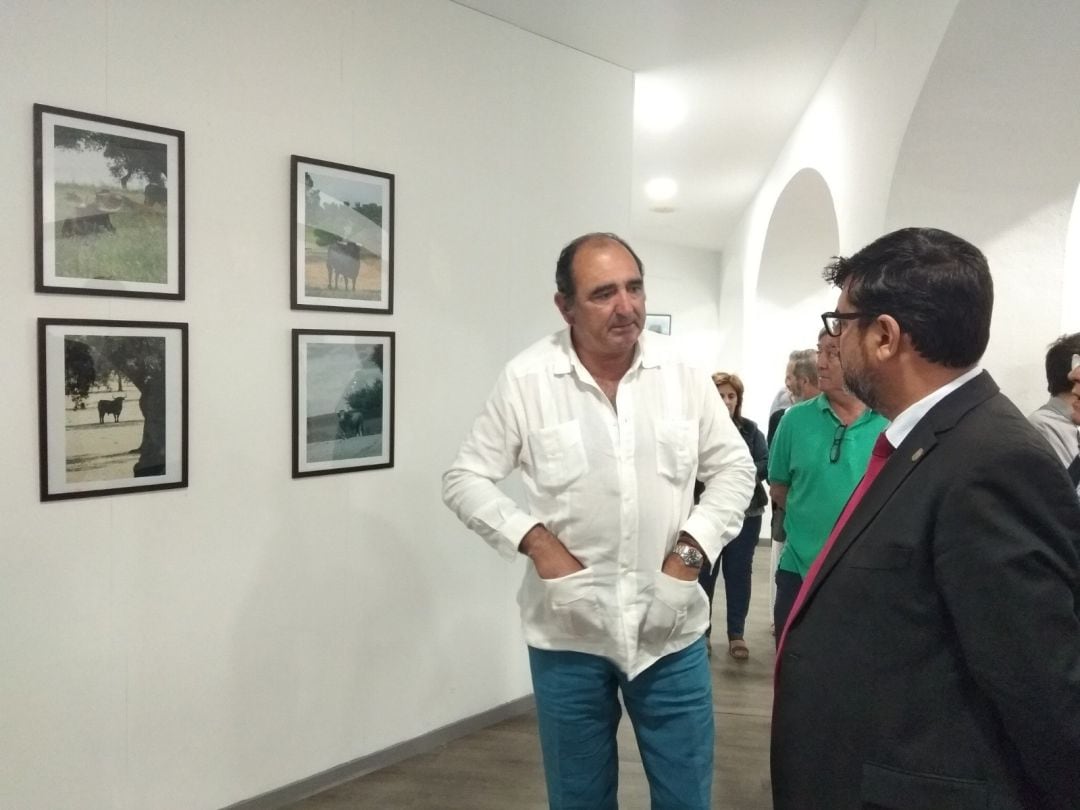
342	238
343	401
113	406
109	206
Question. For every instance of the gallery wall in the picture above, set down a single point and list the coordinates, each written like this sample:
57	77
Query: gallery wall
681	281
975	134
991	154
850	135
194	647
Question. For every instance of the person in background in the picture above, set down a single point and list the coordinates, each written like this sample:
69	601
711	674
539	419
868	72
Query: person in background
737	559
610	426
817	457
1074	378
1057	420
800	379
783	400
801	383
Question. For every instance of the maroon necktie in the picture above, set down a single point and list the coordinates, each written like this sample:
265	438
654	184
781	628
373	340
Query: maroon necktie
878	456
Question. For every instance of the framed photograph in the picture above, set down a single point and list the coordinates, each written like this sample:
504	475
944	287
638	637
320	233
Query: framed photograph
658	323
112	406
342	237
343	401
108	206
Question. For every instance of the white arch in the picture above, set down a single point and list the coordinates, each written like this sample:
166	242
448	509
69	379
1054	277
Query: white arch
801	237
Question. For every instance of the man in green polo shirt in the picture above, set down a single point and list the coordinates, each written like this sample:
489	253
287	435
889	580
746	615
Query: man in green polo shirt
819	453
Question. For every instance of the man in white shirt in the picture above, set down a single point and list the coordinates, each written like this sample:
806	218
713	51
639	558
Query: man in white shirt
1057	420
610	427
935	660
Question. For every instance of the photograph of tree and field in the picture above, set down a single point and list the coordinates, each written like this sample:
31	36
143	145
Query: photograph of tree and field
346	418
112	413
110	207
344	239
110	215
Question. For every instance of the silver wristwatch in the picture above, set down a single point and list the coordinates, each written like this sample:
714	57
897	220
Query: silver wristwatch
689	555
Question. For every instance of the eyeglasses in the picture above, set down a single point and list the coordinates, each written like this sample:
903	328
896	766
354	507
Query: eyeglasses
834	321
837	443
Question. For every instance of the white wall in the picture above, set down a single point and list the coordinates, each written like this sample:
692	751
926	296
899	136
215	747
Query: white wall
958	115
681	282
801	238
194	647
850	135
991	154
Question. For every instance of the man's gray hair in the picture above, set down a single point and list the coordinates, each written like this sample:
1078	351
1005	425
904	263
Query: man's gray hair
804	364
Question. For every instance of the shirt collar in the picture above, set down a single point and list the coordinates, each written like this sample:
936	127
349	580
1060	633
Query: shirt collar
1059	406
647	353
907	419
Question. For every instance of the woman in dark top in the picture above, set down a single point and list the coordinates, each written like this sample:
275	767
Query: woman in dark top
737	558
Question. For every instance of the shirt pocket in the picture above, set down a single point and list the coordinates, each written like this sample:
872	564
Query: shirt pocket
671	604
676	448
558	455
574	604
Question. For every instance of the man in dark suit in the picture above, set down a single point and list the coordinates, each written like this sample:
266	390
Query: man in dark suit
932	661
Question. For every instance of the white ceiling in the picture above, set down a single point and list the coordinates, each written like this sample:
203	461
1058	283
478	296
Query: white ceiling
746	69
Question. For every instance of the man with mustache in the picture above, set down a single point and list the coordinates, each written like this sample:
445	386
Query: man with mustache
610	427
932	659
816	458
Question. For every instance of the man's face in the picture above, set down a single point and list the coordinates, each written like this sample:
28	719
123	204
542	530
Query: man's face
830	372
858	373
607	312
1074	375
790	383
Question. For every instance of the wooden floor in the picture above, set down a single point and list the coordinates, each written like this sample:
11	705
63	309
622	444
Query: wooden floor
499	768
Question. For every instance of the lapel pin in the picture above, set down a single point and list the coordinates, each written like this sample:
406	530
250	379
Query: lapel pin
917	455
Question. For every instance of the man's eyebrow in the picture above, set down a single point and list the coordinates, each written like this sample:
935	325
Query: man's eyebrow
603	288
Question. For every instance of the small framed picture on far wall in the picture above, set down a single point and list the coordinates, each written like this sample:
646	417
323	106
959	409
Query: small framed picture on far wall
658	323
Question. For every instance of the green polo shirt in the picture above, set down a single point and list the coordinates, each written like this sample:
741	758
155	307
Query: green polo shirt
799	458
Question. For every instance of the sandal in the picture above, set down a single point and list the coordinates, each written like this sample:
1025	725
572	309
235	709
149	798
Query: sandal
738	650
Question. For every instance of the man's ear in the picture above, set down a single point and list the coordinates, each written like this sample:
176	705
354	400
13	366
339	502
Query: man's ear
887	334
565	307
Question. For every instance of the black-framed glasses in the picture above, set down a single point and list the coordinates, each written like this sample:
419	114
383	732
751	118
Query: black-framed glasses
834	321
837	443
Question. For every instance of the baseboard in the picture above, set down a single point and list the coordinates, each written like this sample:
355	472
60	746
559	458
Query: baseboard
302	789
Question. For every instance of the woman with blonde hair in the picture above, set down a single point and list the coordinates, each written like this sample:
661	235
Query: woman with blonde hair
737	559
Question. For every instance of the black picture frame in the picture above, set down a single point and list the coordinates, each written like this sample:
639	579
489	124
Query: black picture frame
342	237
655	322
343	401
97	231
94	440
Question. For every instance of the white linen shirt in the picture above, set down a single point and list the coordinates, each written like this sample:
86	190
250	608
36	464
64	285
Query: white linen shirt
615	485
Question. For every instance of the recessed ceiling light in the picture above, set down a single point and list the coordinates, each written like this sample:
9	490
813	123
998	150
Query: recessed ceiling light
658	107
661	190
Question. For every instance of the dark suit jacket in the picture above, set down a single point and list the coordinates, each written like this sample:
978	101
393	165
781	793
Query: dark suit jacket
936	661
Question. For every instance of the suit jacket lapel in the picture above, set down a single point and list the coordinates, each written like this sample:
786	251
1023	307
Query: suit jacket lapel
913	450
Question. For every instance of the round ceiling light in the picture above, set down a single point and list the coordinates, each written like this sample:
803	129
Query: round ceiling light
660	191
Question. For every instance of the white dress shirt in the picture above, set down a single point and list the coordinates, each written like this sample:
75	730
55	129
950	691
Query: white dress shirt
615	485
907	419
